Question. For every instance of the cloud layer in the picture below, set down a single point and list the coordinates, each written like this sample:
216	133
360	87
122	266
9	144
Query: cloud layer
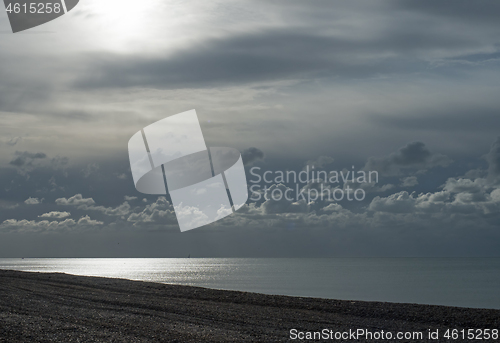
405	88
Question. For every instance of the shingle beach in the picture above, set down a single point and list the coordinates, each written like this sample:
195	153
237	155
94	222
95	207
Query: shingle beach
55	307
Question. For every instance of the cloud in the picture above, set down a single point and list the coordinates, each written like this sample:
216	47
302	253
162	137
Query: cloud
277	202
493	158
86	221
159	212
401	202
13	141
332	208
59	162
88	204
130	198
284	52
320	163
251	155
459	197
443	117
90	169
120	210
409	181
26	162
410	158
343	79
462	10
373	187
462	185
45	226
32	201
76	200
26	158
122	176
55	214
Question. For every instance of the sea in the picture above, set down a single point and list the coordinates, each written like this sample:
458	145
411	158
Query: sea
463	282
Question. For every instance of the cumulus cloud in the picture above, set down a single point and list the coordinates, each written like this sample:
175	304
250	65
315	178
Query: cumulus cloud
89	204
46	226
459	199
473	195
401	202
32	201
55	215
159	212
459	196
332	208
120	210
462	185
86	221
75	200
191	215
410	158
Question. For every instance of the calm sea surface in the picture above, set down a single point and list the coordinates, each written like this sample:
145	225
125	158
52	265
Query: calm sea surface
464	282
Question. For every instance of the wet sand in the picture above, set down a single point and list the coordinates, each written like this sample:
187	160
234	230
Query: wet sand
55	307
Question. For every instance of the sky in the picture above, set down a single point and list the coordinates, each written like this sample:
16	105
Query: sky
408	89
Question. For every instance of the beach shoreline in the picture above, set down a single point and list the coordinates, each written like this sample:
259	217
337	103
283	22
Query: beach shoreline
57	307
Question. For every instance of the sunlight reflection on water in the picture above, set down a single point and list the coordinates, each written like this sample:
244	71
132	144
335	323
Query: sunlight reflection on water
464	282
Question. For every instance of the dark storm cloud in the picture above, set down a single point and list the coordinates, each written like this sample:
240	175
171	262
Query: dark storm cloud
482	12
401	37
414	156
26	158
251	155
236	59
451	119
276	54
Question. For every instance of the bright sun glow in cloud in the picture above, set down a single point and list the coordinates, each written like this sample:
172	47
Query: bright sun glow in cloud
149	26
121	19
